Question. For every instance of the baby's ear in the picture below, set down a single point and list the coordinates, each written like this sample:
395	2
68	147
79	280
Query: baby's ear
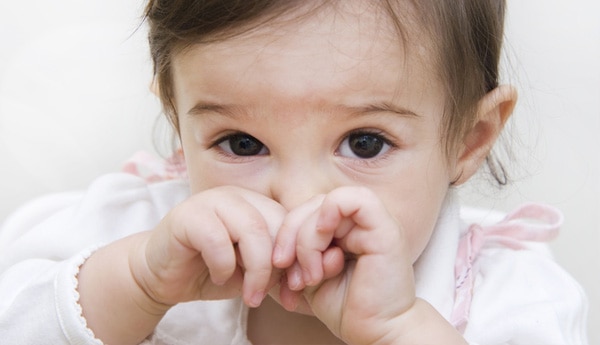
493	110
154	87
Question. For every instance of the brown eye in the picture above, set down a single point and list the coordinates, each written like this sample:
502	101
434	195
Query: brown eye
363	145
242	145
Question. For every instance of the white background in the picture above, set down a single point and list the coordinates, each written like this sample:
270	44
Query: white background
74	104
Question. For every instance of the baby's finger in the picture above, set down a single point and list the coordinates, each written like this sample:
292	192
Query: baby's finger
332	264
218	253
312	242
284	254
334	261
289	298
344	211
294	277
349	208
206	234
251	233
272	212
374	231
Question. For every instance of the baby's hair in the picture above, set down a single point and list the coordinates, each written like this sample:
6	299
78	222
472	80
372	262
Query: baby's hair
465	36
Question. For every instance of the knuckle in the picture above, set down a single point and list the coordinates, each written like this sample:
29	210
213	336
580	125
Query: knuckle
262	271
180	216
214	238
256	226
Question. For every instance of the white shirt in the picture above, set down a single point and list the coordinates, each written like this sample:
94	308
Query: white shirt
520	296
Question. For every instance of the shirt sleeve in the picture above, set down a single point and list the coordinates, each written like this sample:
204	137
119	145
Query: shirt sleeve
524	297
43	245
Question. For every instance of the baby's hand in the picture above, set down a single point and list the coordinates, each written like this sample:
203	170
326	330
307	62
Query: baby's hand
359	300
212	246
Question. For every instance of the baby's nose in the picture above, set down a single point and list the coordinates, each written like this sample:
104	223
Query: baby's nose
293	187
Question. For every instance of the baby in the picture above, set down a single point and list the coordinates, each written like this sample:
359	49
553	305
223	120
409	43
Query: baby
322	142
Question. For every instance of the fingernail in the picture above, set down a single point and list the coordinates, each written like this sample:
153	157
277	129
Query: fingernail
277	254
306	276
292	305
295	280
257	299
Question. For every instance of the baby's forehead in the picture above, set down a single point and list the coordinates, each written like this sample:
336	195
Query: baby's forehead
358	29
324	61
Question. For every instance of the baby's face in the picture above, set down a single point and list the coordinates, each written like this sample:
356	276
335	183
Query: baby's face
303	107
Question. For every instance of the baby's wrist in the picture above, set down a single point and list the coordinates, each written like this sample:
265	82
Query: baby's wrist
141	276
115	307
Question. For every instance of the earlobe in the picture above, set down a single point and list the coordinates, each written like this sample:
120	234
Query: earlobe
154	87
493	110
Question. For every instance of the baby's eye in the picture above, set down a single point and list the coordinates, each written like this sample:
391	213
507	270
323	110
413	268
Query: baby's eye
242	145
364	145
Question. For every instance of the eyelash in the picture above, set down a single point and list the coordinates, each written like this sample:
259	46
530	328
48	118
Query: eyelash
367	161
374	132
237	158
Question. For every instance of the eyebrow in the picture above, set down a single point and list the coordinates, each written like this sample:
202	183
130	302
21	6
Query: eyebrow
381	108
229	109
209	107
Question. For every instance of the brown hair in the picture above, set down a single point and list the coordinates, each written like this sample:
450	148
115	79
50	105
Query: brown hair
466	36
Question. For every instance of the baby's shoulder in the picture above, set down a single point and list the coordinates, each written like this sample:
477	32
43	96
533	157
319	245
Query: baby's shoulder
108	190
514	247
512	260
112	201
520	293
127	188
524	297
529	267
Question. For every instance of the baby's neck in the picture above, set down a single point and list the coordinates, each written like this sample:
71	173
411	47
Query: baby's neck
271	324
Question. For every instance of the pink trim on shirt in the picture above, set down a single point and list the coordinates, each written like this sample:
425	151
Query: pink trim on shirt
154	169
530	222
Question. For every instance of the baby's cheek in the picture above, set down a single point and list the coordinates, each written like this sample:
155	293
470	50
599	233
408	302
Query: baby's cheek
418	241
